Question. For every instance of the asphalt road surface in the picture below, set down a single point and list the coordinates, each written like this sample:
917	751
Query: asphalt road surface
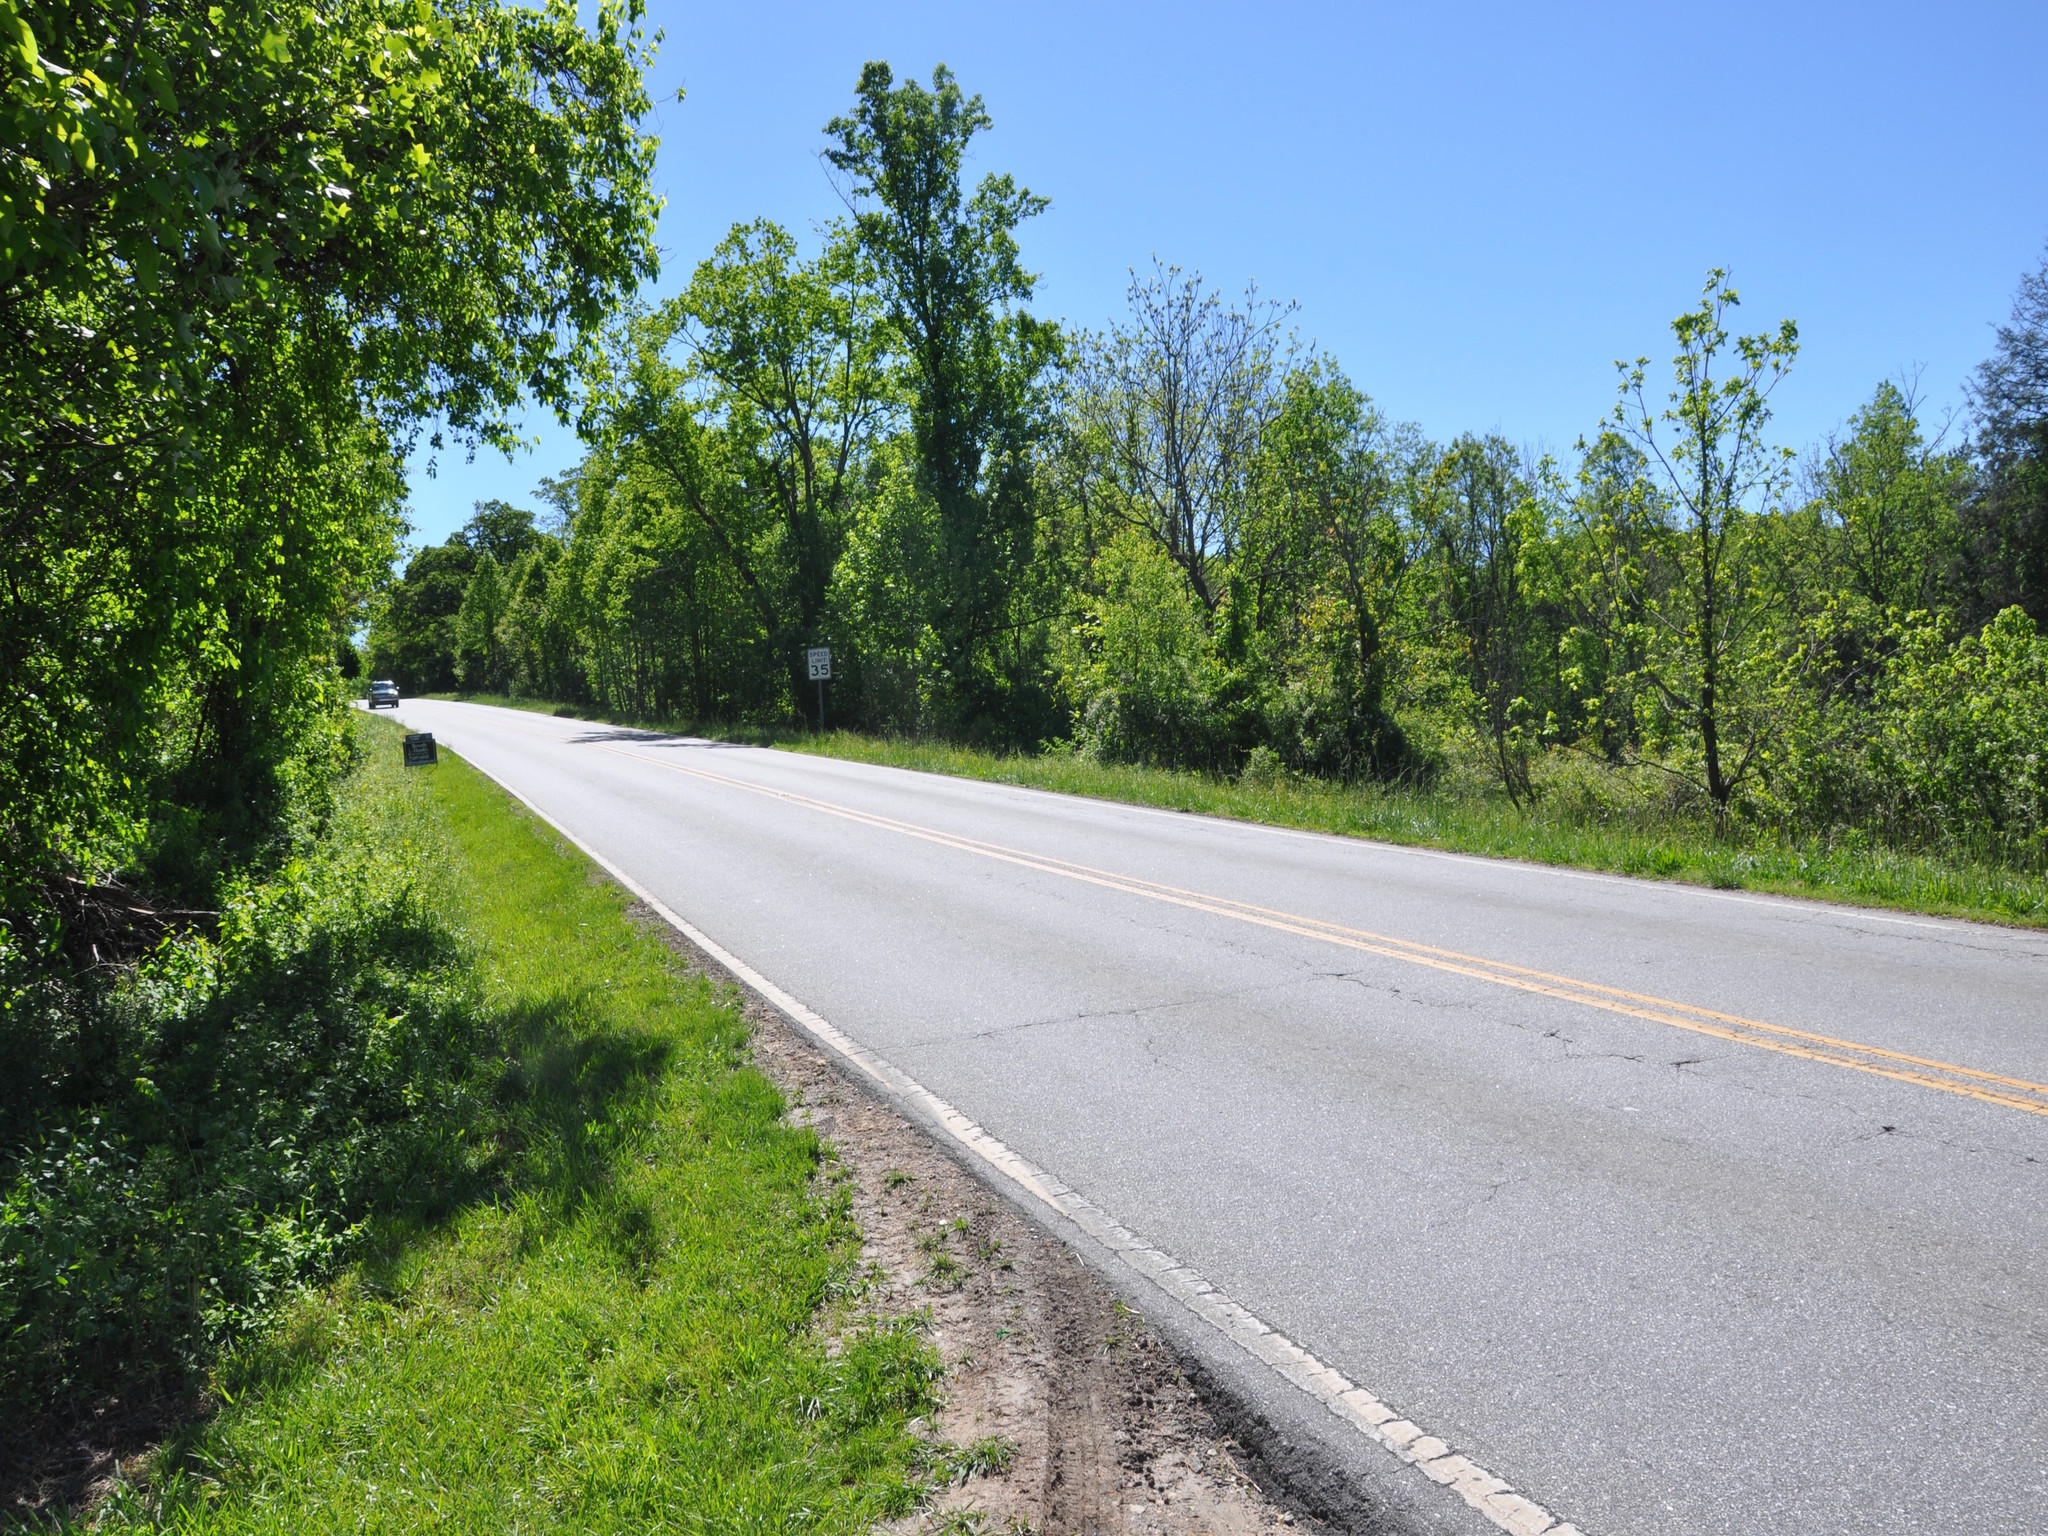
1683	1211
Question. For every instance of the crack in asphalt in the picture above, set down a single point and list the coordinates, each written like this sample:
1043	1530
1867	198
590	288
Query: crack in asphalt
1135	1012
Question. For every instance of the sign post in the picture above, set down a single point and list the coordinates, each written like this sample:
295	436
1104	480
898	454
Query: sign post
819	660
419	750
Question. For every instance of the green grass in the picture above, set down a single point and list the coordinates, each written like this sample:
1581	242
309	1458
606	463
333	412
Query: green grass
654	1324
1574	825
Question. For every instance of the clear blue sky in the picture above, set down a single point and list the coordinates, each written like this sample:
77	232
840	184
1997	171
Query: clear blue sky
1478	208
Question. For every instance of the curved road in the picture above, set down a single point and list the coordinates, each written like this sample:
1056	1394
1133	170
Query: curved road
1680	1211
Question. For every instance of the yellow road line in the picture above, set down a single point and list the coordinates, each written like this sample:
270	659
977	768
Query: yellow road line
1920	1071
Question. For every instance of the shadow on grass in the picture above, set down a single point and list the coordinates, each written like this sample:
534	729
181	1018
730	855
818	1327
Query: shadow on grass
565	1106
566	1093
560	1112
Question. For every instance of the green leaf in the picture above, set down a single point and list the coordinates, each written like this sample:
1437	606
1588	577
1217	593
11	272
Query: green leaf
24	42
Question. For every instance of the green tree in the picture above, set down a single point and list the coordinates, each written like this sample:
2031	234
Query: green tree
1892	506
2009	516
895	680
1712	474
479	651
1481	526
1319	577
1604	569
501	530
665	624
1955	740
762	425
412	635
954	288
539	640
1168	413
1142	666
243	252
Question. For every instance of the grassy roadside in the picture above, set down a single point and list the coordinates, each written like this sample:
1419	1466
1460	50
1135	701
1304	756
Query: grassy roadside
1568	830
652	1322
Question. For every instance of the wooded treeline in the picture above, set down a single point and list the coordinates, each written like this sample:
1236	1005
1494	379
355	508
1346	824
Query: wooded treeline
244	252
1192	540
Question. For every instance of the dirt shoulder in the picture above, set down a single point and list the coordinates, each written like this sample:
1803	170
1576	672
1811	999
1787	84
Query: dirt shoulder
1067	1414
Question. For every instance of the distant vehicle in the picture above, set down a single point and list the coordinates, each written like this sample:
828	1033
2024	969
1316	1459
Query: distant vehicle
382	694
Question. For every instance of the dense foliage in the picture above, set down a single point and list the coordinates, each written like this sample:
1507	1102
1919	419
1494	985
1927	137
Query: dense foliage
221	1124
247	253
1191	541
246	248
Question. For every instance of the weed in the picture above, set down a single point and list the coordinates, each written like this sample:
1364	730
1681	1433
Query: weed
989	1456
1114	1338
948	1466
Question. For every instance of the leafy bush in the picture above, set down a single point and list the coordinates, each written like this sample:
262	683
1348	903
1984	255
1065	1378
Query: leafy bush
1321	711
220	1124
1960	753
1143	675
1263	769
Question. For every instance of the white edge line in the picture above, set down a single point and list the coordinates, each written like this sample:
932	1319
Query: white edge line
1179	1283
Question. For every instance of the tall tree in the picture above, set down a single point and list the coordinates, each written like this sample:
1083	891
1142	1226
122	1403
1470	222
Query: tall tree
1319	574
1707	464
755	397
954	287
479	651
412	628
1479	521
244	251
1891	503
500	530
1171	408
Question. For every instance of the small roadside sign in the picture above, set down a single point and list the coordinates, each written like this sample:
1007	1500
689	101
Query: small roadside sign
820	659
419	750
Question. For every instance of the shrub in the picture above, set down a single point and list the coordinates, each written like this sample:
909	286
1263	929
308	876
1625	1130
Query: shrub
1143	675
1959	756
222	1121
1263	770
1322	712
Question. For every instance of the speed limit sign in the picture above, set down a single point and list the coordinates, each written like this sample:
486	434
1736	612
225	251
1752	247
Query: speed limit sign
820	659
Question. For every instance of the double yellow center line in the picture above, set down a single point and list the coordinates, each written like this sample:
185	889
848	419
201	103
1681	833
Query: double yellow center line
1989	1087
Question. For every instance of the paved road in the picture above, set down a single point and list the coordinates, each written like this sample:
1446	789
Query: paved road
1533	1154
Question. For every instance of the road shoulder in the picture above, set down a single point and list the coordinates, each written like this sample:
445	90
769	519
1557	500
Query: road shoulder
1086	1419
